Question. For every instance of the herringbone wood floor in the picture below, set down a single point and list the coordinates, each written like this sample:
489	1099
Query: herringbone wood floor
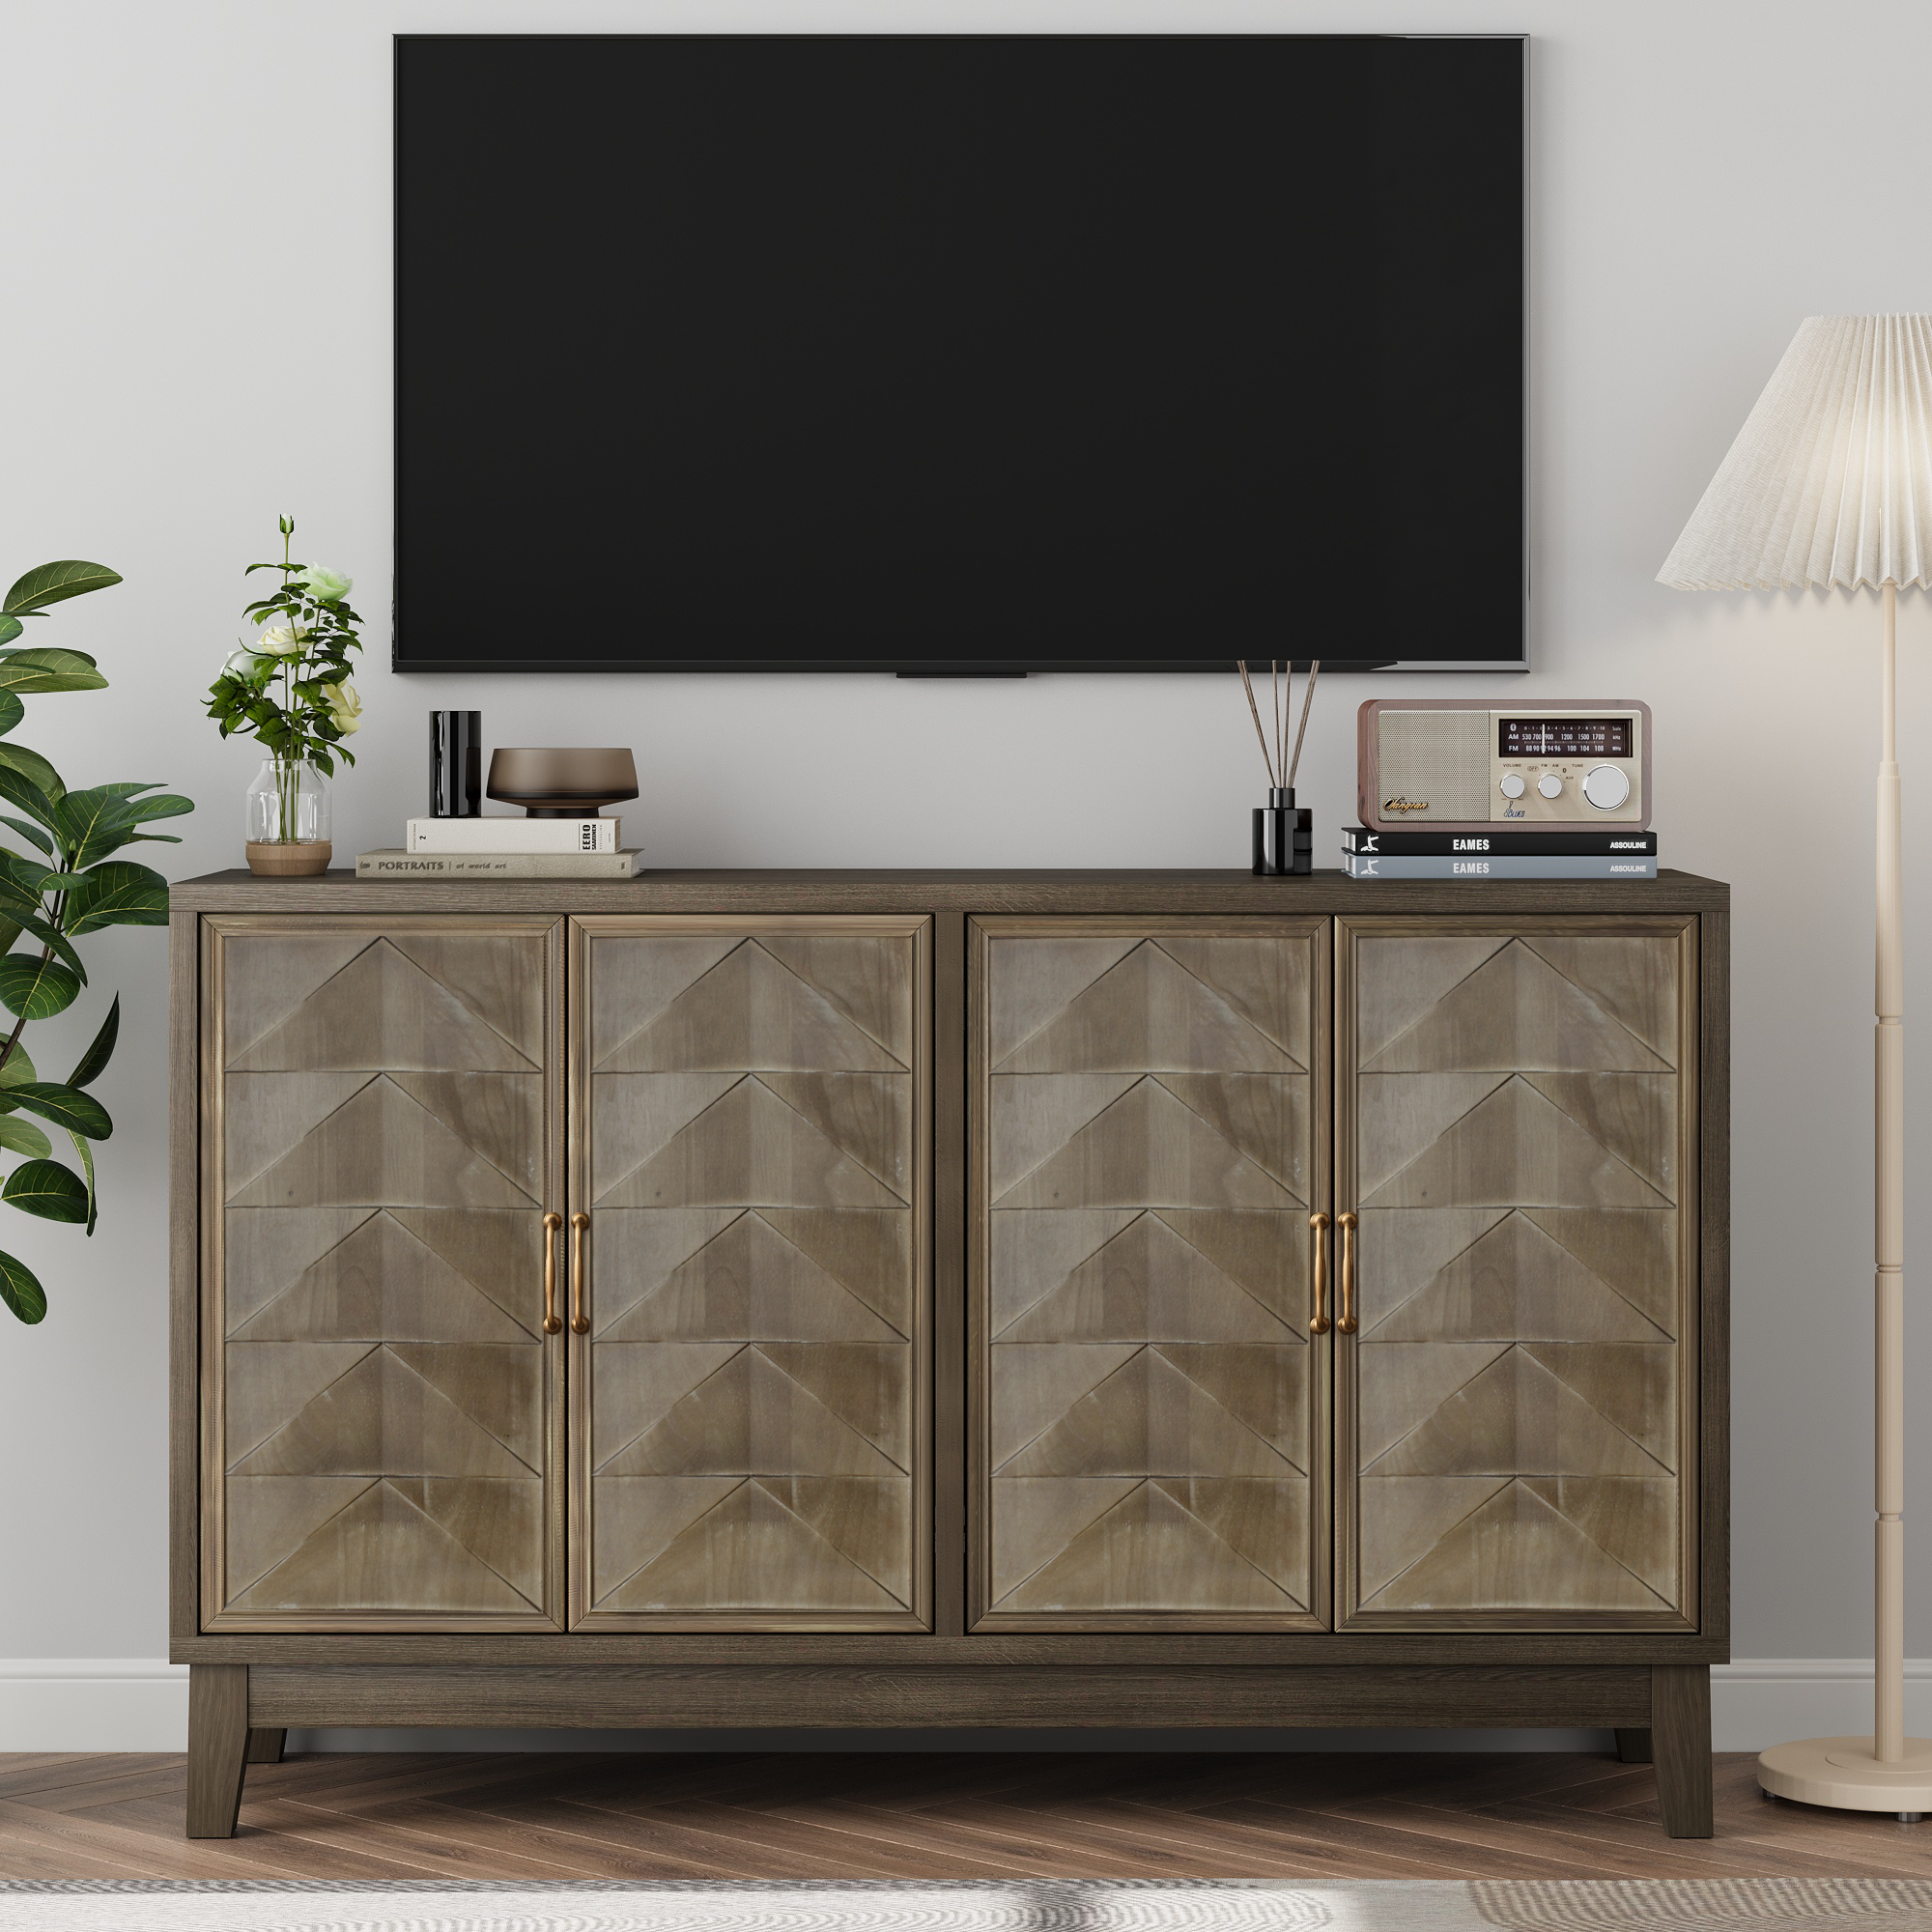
923	1816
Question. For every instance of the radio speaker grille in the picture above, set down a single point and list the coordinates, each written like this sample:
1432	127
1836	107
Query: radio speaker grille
1437	758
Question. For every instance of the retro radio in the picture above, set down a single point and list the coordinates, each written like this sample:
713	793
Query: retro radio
1464	767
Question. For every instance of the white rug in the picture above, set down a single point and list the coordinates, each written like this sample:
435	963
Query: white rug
1586	1905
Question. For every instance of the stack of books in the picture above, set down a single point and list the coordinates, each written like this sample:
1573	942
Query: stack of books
1508	853
504	848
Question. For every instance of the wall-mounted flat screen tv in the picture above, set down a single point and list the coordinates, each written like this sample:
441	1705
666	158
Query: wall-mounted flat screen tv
958	354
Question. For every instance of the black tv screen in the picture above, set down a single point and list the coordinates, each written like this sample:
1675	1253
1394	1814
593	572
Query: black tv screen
958	354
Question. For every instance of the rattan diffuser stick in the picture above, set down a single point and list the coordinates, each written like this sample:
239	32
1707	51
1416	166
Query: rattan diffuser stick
1307	698
1255	712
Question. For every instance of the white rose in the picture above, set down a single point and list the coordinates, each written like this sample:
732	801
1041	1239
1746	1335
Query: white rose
241	662
325	585
282	642
345	706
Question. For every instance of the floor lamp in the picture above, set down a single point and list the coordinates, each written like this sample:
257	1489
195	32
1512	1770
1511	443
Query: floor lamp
1829	482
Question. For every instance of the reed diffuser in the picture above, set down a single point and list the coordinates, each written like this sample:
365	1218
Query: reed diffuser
1284	840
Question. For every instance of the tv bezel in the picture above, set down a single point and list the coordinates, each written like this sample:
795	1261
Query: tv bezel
973	667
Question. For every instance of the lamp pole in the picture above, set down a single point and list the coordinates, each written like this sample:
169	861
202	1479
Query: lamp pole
1889	1232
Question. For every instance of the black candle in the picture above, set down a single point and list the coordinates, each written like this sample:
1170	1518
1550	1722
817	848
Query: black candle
456	764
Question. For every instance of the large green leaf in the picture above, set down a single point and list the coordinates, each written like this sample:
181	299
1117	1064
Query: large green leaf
36	672
50	936
34	768
16	1071
10	629
68	654
64	1106
102	818
31	833
16	899
37	989
19	788
20	1291
119	892
33	878
86	1153
20	1136
50	582
12	711
94	1060
46	1189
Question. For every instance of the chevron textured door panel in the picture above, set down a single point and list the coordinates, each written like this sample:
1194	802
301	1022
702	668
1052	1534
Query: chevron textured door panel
381	1404
1516	1413
1151	1137
749	1405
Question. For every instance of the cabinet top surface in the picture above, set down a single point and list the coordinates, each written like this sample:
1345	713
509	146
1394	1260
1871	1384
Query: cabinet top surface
989	891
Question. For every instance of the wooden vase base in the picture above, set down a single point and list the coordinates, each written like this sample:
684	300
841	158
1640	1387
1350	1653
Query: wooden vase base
296	858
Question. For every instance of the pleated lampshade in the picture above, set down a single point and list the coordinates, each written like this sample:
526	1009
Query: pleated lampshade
1829	481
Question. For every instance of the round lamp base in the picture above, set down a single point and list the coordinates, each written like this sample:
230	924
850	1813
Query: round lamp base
1843	1773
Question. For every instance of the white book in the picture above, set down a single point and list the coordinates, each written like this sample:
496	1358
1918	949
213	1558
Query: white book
398	865
513	834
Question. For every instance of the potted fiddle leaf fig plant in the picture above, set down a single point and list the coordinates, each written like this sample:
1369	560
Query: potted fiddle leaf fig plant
69	885
289	687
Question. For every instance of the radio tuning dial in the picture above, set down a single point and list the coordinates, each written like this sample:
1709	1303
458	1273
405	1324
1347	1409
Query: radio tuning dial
1510	785
1549	785
1607	787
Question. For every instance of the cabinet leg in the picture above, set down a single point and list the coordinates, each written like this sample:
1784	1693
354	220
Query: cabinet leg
1680	1725
217	1746
266	1747
1634	1746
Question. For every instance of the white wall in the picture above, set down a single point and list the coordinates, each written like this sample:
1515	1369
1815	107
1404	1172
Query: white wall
196	336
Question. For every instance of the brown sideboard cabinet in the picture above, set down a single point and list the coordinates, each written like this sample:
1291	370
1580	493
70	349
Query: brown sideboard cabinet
1154	1299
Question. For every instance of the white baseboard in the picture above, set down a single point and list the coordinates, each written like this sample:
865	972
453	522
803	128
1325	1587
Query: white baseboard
140	1704
1759	1701
93	1704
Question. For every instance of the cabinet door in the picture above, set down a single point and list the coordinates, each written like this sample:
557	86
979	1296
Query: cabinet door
381	1415
1150	1128
1516	1416
748	1178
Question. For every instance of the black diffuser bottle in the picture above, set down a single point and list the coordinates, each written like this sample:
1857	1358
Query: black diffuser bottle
456	764
1284	841
1284	836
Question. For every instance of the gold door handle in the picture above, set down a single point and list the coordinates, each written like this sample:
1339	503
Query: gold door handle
1346	1322
580	1322
552	1323
1318	1235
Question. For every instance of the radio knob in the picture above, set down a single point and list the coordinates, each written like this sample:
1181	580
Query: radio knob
1607	787
1549	785
1510	785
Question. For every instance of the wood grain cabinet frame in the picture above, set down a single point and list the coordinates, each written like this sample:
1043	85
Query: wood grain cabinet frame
382	1414
1517	1419
1149	1408
751	1394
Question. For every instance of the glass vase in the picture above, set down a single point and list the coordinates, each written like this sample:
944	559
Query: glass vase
288	820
